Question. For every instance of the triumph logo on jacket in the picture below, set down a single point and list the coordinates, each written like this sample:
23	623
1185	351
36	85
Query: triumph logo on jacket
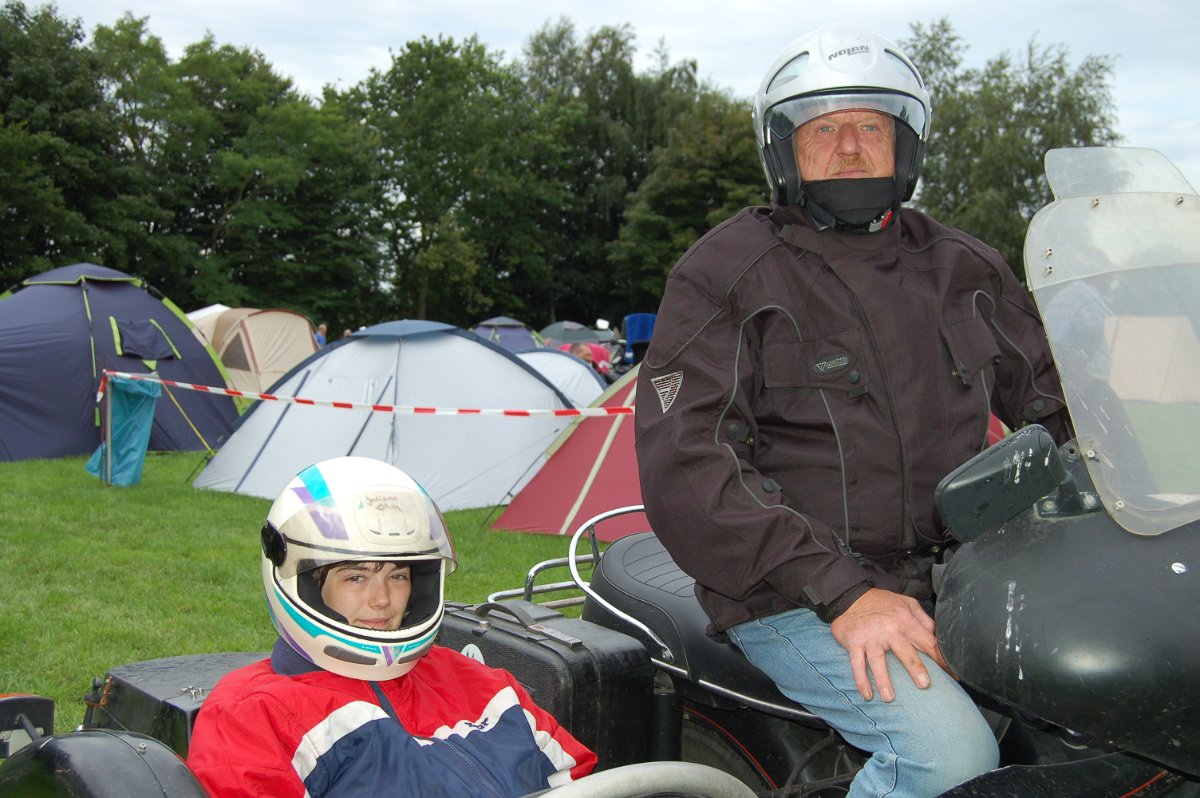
667	387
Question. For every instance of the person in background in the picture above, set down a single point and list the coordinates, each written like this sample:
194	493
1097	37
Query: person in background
816	367
595	355
584	352
320	335
355	701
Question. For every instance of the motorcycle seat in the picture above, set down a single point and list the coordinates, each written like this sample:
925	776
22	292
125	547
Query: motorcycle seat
637	576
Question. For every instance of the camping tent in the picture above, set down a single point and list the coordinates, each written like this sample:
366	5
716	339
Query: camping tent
578	381
513	335
462	460
258	347
591	468
205	319
568	332
60	329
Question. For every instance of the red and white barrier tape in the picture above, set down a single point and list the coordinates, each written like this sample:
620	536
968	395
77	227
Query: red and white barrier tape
429	411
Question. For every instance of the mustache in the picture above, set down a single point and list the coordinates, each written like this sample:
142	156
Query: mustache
853	161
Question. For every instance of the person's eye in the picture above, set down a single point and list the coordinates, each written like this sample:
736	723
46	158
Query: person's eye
400	576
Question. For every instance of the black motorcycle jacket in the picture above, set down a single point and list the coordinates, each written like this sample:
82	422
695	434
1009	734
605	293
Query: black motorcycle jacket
805	391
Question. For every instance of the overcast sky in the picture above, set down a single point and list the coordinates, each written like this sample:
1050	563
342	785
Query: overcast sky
1155	43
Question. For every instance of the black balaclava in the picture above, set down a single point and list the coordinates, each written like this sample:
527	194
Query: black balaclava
856	205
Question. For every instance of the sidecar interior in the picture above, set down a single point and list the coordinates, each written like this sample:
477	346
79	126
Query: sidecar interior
638	577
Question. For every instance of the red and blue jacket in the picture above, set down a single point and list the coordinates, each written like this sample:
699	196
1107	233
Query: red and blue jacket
450	727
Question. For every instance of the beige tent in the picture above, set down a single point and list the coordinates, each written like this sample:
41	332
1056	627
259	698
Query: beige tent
1154	358
257	346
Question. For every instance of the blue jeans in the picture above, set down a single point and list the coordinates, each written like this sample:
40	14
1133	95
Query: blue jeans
921	744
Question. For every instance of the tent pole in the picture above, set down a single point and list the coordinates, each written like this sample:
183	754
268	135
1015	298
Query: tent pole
108	433
599	461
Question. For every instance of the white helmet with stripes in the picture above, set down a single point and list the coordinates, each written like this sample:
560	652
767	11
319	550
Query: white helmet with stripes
354	509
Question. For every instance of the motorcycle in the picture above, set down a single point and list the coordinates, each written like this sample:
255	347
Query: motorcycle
1067	610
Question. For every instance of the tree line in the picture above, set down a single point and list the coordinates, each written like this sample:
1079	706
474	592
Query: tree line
451	185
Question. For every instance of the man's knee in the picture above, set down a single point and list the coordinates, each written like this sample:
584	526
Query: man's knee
962	753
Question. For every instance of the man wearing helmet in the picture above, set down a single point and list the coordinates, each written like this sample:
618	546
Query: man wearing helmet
355	700
816	368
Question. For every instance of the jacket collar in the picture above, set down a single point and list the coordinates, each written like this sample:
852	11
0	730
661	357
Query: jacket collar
287	661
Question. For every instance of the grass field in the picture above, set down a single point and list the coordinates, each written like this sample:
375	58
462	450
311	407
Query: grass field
93	576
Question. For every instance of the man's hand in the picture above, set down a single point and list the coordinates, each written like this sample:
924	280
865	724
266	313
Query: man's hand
881	621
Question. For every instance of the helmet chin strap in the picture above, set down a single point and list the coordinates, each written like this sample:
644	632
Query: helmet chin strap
851	205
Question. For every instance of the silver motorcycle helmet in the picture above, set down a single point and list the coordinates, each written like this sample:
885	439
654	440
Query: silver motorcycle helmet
354	509
842	67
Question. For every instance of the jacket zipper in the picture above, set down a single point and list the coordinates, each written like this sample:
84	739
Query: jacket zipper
908	533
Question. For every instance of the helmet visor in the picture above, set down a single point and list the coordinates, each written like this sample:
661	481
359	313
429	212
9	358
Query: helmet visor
783	118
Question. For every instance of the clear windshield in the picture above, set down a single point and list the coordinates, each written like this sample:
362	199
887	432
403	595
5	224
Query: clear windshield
1114	264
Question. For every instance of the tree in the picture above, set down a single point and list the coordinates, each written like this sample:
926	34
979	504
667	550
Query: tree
707	171
614	118
463	152
138	82
242	192
983	168
57	136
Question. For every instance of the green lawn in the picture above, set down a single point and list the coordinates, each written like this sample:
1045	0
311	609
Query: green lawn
93	576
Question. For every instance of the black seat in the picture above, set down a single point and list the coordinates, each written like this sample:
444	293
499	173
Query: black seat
637	576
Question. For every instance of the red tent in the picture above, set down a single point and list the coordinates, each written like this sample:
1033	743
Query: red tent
591	469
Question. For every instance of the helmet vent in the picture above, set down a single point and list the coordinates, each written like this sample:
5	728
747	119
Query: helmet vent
348	656
902	66
790	71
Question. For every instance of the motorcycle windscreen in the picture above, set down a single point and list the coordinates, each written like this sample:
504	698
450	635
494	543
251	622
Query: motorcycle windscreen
1114	264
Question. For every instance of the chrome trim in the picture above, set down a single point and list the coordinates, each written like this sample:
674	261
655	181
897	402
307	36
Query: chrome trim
589	527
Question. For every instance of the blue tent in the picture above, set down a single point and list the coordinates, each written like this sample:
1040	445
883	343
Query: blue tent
60	329
513	335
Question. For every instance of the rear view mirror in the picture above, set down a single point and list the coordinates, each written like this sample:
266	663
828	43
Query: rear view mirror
1001	482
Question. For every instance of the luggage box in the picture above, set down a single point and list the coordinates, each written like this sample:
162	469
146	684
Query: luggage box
596	682
160	697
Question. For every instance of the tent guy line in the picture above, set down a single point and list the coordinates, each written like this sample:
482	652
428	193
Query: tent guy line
431	411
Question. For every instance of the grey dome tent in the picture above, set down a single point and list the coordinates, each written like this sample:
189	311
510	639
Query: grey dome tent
60	329
462	460
578	381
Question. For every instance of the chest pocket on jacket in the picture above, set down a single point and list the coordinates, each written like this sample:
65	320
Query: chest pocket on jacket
972	348
834	362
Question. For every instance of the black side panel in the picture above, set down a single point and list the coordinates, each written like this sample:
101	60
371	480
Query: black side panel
160	697
1085	625
1114	774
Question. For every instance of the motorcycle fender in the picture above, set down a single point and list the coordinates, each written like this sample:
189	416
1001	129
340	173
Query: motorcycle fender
1111	774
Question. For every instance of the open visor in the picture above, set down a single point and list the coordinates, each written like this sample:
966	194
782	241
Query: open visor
783	118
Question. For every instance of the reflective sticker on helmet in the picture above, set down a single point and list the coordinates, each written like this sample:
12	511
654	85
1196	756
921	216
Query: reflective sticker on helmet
316	496
392	654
